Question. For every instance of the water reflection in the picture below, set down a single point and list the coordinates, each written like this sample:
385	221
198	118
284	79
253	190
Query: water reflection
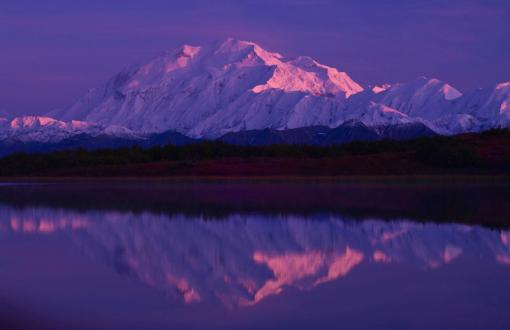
242	259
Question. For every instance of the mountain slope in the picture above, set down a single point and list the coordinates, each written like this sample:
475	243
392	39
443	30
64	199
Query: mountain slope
423	98
490	106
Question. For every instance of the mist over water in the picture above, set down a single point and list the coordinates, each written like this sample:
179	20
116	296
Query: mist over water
317	256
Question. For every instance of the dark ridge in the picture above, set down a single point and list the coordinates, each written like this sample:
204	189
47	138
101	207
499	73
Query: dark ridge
349	131
314	135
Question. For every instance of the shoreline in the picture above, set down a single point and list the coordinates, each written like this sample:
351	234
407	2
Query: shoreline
469	200
350	179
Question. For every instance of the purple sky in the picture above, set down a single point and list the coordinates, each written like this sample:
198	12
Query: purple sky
52	51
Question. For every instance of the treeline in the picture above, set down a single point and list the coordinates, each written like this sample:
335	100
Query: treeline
447	152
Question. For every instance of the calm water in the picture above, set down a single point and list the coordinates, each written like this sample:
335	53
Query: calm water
254	256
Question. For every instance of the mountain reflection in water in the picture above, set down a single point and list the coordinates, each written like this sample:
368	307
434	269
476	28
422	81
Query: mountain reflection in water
254	256
243	259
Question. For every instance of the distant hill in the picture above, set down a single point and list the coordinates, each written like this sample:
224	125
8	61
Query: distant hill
485	153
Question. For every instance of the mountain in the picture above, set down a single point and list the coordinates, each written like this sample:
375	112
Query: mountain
489	106
42	129
214	89
232	86
237	91
43	134
423	98
38	140
94	142
479	110
349	131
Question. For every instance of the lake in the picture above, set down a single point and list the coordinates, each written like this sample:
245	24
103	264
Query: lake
232	255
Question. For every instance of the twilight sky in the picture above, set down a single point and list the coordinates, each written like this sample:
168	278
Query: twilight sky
52	51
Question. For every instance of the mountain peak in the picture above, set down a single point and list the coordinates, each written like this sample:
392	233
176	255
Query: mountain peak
423	80
188	51
448	92
503	86
380	88
33	121
232	44
423	97
246	52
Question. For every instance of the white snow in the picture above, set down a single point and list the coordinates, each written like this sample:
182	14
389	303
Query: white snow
380	88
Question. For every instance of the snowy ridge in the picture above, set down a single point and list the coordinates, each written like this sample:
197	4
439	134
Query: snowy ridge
230	86
489	107
422	98
49	130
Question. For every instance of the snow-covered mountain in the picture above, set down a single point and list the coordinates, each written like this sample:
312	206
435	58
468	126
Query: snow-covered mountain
231	86
245	258
214	89
422	98
42	129
48	130
488	107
